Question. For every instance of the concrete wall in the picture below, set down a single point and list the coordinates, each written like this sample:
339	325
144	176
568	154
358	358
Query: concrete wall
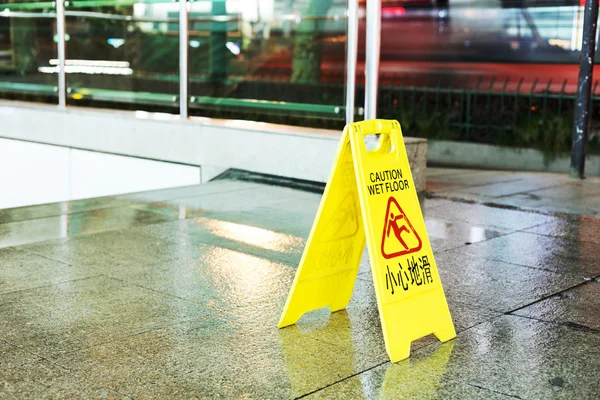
33	173
215	145
461	154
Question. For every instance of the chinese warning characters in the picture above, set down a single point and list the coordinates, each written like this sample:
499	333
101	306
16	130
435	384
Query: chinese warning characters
415	272
400	239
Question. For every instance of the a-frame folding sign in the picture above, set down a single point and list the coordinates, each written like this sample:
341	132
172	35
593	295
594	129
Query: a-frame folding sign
373	192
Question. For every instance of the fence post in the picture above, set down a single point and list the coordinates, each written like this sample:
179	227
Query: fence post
516	105
183	59
531	92
373	40
218	41
352	21
582	105
61	38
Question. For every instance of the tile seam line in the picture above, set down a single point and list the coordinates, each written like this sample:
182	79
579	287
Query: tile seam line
41	357
549	296
20	250
488	389
559	214
583	328
93	346
478	184
391	364
46	241
340	381
525	266
70	371
511	230
127	205
481	241
532	191
426	346
552	236
51	284
509	262
155	291
467	171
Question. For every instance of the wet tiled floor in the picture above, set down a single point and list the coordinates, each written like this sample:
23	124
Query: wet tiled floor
177	293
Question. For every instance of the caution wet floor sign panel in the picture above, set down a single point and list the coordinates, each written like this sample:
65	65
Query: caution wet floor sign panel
371	197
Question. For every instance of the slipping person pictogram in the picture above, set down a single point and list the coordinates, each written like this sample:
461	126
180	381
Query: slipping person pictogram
405	239
393	224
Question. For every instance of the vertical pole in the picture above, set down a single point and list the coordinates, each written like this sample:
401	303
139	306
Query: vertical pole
60	37
218	41
372	55
183	59
352	42
584	86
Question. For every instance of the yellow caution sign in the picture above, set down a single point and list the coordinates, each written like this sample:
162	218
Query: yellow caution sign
371	196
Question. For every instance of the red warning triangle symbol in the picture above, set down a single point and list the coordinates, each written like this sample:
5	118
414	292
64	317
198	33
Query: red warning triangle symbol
399	236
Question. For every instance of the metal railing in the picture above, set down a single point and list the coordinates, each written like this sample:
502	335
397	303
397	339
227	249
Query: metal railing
191	93
480	109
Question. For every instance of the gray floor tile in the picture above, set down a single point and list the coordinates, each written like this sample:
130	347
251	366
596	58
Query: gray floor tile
579	307
501	189
432	172
496	285
442	188
470	177
527	190
521	357
75	315
571	190
433	203
94	204
255	362
464	315
248	239
215	187
190	207
212	276
588	205
109	249
25	376
20	270
296	223
56	209
544	252
83	205
140	199
177	294
581	228
407	381
70	225
480	215
358	326
445	235
242	201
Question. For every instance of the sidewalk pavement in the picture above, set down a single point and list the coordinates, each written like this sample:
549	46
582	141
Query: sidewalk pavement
176	294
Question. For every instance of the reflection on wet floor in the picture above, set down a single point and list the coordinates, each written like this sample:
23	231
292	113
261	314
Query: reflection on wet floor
177	294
